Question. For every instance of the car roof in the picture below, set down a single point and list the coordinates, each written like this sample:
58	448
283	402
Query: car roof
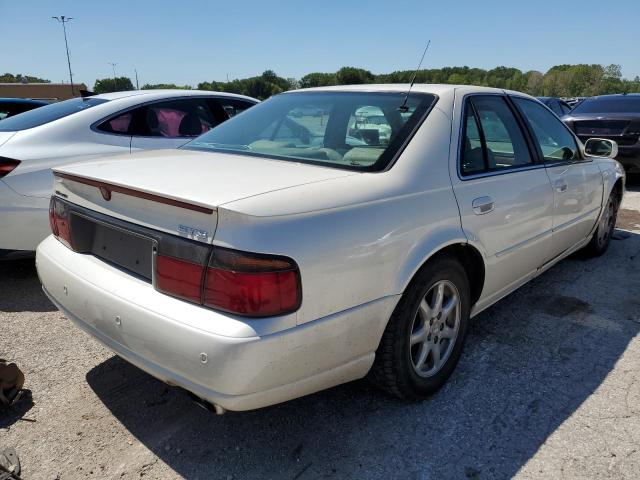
613	95
168	93
24	100
433	88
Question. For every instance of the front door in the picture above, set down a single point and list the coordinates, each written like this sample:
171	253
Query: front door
505	198
577	182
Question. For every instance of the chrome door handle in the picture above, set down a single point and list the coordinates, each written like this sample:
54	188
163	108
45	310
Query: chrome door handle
560	186
483	205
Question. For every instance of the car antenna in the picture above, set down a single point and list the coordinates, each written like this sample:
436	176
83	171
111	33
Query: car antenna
403	107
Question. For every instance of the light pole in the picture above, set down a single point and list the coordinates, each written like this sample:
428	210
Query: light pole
115	83
137	86
63	20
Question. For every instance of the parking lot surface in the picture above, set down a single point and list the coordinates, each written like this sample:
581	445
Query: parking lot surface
548	387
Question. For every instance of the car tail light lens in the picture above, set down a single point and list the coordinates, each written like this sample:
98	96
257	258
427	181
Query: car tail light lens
179	278
252	285
60	221
247	284
7	165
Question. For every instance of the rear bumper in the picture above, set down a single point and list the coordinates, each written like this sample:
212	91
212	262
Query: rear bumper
215	356
25	220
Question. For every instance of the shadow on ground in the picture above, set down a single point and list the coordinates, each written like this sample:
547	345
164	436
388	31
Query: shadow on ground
17	412
20	288
530	362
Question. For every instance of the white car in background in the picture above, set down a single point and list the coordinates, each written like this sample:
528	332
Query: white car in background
81	129
259	264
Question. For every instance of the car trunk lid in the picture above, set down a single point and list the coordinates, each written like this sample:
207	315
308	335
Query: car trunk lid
178	191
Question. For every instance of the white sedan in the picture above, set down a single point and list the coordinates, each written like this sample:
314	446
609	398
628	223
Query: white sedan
258	265
82	129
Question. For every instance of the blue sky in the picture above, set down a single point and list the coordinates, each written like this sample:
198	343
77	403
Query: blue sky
186	41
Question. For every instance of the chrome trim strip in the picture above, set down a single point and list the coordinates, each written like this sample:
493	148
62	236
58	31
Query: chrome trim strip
577	219
523	243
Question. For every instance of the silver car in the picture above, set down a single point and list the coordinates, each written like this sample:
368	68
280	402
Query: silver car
81	129
287	251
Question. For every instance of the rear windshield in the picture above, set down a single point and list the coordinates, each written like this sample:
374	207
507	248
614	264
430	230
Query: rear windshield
621	104
350	130
48	113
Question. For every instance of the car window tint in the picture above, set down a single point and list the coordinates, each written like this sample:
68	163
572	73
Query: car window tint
179	118
48	113
119	124
301	127
555	140
504	144
319	128
555	106
472	152
233	106
368	126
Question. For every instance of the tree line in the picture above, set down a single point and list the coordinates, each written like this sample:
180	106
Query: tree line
560	81
580	80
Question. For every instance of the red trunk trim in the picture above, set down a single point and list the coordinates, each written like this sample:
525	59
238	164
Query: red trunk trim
109	188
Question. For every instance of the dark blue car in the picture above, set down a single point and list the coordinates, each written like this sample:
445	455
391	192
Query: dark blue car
13	106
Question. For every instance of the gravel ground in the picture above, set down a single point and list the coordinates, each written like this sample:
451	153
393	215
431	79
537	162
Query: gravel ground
548	387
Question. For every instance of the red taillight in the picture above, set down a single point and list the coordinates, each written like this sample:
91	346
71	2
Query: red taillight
179	278
254	294
250	284
238	282
60	221
7	165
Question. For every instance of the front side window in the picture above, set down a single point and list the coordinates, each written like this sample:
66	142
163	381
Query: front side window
233	106
352	130
493	140
48	113
555	140
179	118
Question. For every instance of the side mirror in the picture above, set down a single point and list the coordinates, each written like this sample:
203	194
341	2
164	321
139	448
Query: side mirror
601	147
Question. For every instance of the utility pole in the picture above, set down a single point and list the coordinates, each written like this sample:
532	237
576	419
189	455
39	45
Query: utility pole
137	86
63	20
115	83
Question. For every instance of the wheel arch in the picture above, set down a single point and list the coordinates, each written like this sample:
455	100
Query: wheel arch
469	257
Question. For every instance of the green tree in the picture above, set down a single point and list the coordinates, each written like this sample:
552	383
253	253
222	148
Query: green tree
318	79
354	76
160	86
19	78
119	84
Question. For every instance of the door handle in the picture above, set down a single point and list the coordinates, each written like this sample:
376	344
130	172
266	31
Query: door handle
560	186
482	205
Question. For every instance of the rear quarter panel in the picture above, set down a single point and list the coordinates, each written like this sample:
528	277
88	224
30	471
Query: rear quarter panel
357	238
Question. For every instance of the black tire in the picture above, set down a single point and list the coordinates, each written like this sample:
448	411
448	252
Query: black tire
601	238
394	368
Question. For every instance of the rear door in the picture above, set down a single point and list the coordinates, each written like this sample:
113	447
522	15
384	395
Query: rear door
577	182
505	198
172	123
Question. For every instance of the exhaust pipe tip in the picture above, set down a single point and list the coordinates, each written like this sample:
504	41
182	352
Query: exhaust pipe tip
208	406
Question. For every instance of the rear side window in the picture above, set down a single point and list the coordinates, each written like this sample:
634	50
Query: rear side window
493	139
555	140
48	113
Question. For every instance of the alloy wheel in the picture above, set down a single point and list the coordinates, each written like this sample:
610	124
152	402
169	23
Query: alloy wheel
435	328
